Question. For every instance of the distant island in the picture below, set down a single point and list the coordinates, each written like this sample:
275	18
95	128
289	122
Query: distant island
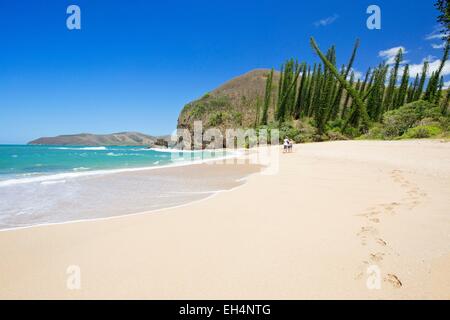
113	139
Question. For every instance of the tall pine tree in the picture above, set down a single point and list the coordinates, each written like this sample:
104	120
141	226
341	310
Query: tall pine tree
267	98
390	92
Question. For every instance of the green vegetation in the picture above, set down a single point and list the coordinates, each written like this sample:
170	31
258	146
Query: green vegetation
444	16
369	110
416	120
267	96
216	119
420	132
205	105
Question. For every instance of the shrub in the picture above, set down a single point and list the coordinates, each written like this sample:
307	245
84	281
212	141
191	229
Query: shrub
307	133
198	110
335	135
236	118
219	102
397	122
421	132
432	113
375	133
352	132
444	123
215	119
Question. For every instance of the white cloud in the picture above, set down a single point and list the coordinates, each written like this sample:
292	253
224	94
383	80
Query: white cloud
389	54
438	46
358	74
414	69
436	34
433	62
446	84
326	21
433	66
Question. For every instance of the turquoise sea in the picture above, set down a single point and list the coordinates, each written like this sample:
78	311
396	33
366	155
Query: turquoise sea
55	184
41	162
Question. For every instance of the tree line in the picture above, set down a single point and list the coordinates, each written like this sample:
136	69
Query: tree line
326	93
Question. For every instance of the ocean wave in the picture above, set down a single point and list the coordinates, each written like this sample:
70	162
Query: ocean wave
173	150
112	154
79	148
80	169
31	174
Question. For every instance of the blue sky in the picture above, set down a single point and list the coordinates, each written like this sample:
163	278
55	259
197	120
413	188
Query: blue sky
134	64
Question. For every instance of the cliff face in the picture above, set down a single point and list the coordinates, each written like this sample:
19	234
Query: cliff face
231	105
87	139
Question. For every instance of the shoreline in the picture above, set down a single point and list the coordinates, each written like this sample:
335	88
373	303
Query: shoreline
74	175
213	194
112	177
309	231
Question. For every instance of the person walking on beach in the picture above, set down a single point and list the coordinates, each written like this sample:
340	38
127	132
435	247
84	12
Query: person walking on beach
286	144
290	146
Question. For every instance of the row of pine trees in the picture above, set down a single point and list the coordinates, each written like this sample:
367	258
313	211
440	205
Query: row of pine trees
324	93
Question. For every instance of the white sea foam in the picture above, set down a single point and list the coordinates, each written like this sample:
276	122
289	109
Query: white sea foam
197	192
80	148
27	211
112	154
80	169
173	150
31	174
53	182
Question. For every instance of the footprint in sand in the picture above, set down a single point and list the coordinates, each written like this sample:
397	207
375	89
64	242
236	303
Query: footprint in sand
369	213
365	215
367	231
413	204
393	280
359	276
376	257
389	208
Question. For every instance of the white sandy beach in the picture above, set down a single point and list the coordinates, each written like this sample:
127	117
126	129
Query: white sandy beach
310	231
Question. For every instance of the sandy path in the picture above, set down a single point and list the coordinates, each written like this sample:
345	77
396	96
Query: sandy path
310	231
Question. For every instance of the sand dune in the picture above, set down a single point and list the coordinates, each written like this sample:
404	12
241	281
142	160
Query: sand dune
336	216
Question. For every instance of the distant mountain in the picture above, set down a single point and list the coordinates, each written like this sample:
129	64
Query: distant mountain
233	104
114	139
